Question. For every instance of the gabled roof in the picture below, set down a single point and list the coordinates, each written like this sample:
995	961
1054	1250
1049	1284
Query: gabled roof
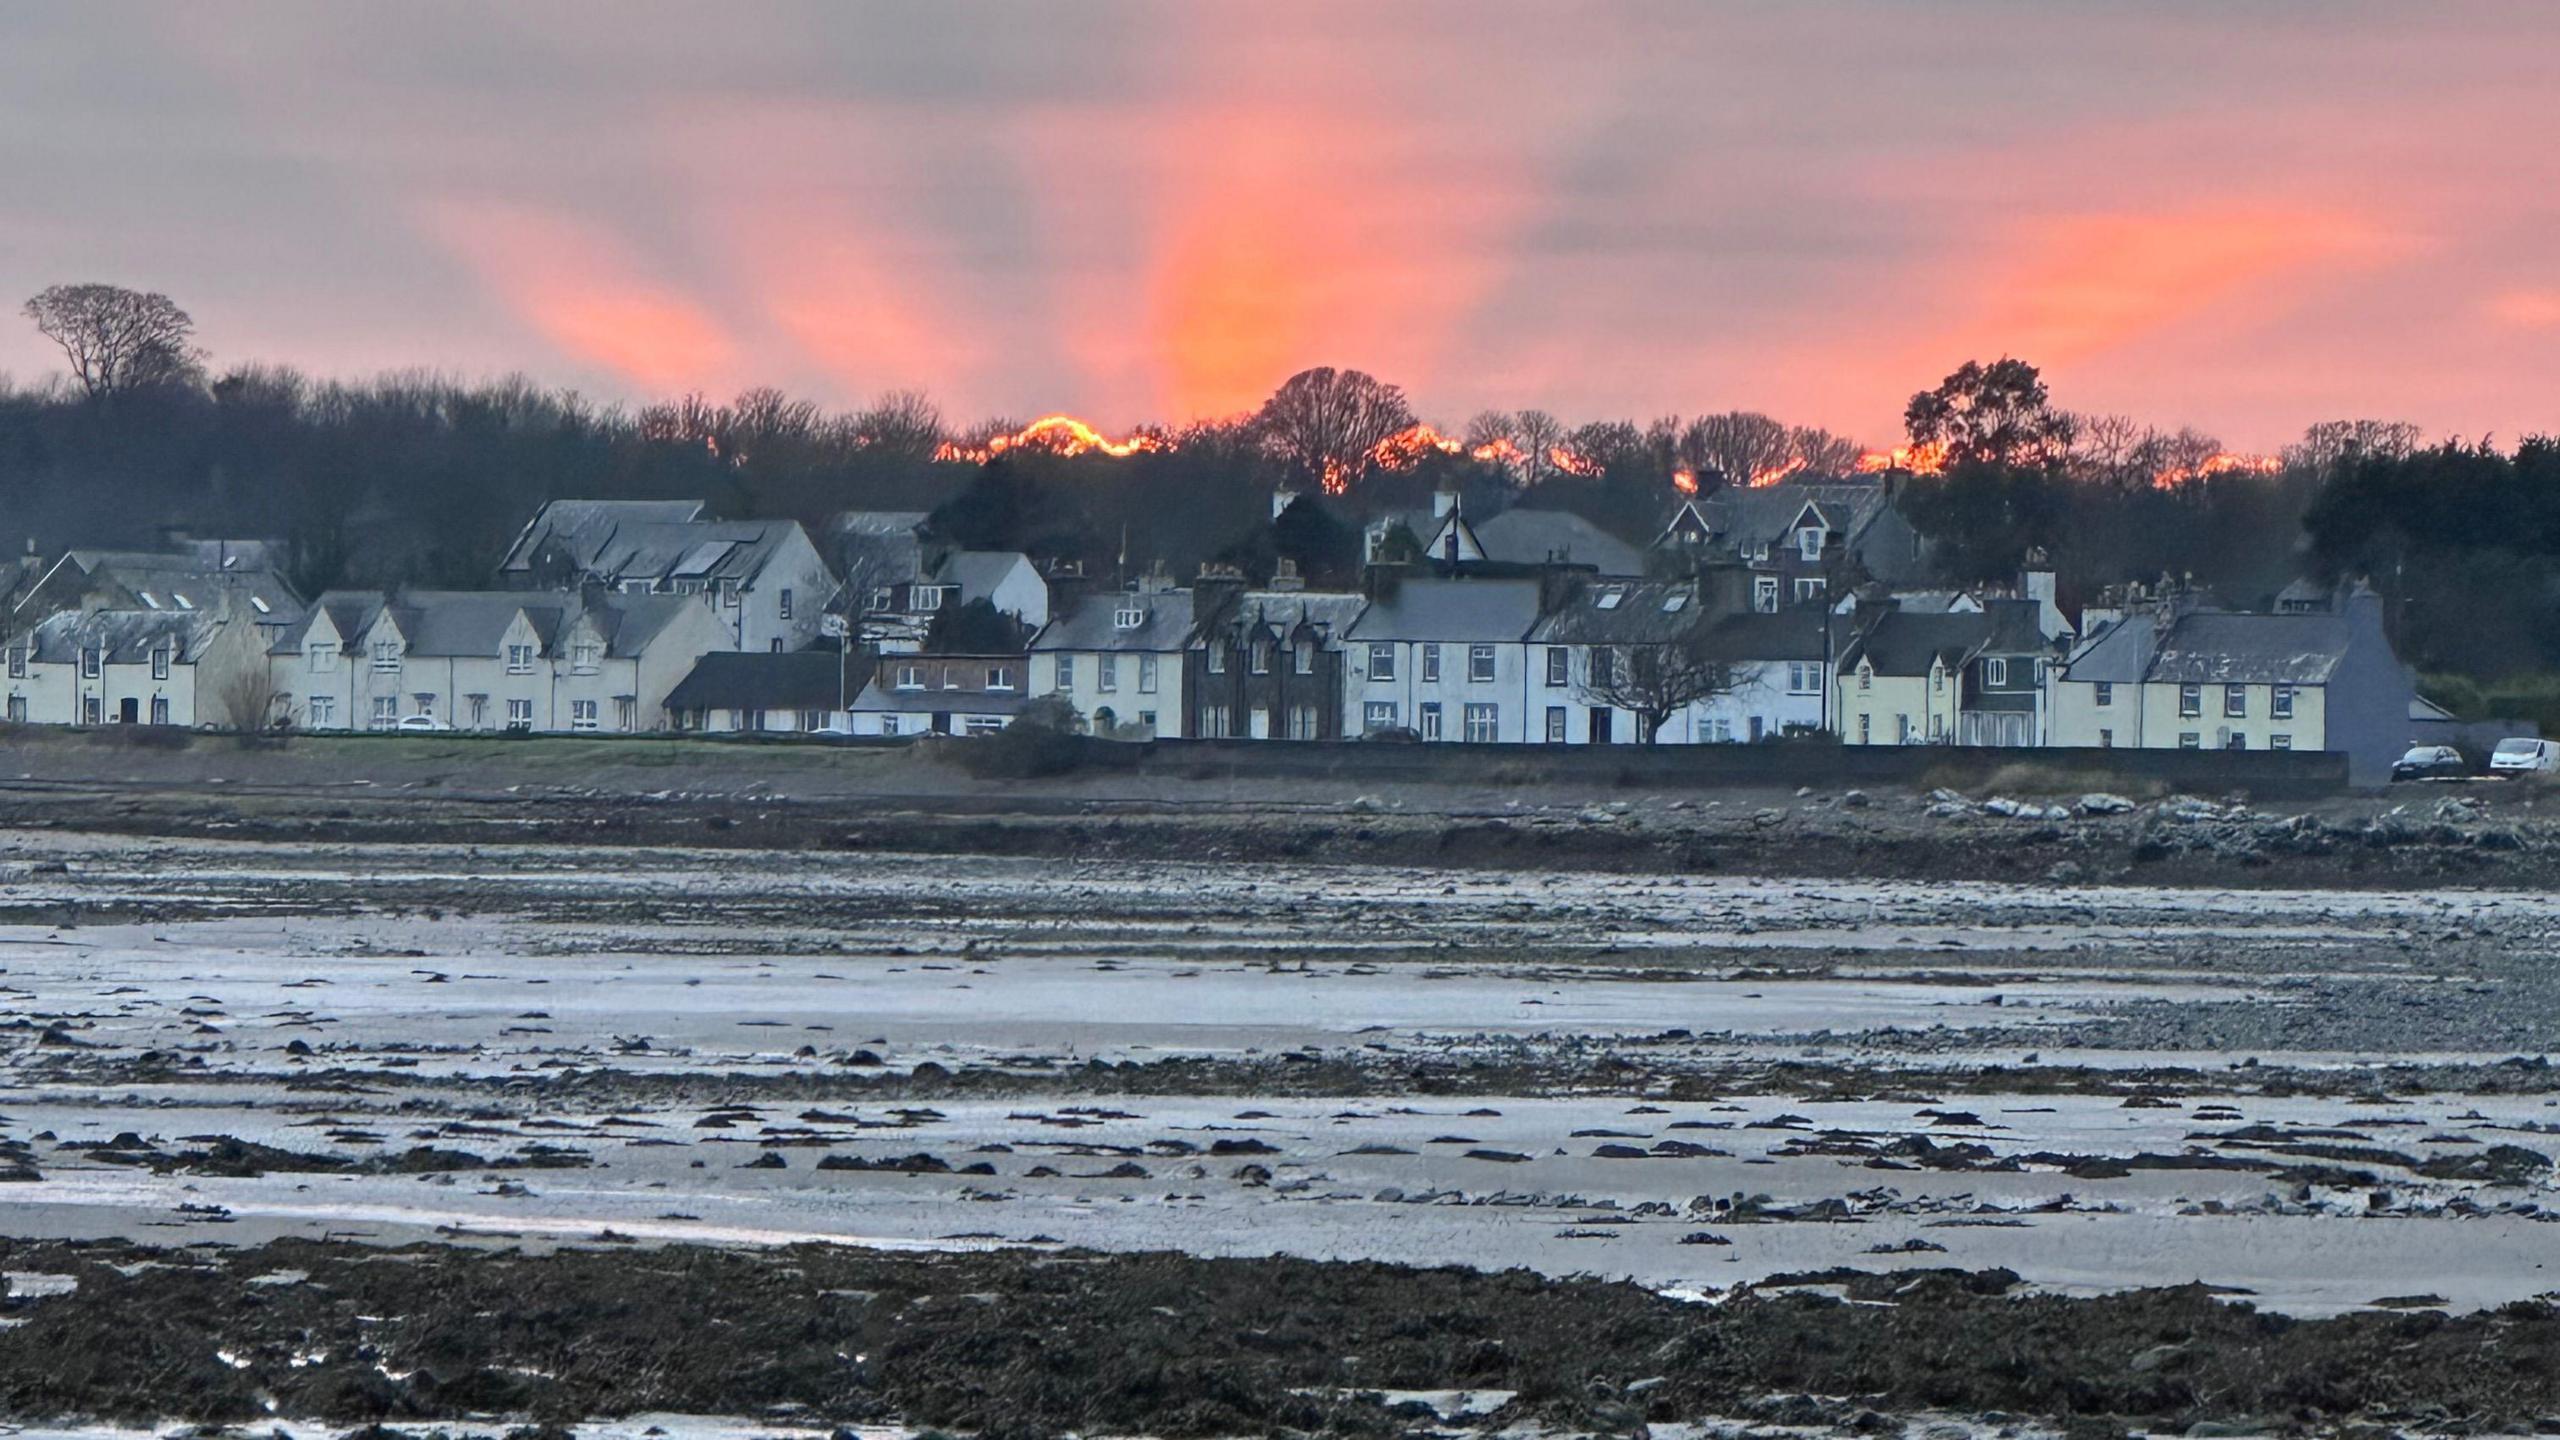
1332	612
2119	654
1537	537
1747	516
705	551
979	572
1451	609
1624	612
755	680
629	623
1093	623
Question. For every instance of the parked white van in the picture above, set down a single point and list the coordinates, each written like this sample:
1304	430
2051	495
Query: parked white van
2520	756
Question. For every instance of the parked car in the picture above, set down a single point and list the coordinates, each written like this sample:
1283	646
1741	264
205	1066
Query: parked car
2520	756
421	722
2430	762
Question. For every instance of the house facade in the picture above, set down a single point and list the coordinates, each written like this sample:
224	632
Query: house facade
759	692
137	667
1269	664
2171	675
1448	659
1950	678
941	695
491	660
1121	658
764	579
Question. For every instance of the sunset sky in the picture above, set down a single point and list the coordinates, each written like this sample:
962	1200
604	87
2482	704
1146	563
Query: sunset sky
2246	217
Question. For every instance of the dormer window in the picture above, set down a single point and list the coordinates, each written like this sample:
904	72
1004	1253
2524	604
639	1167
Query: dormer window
585	656
386	655
1809	542
1128	617
519	659
928	597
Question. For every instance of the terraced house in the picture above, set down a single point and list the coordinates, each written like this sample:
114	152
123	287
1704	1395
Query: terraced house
490	660
763	579
139	667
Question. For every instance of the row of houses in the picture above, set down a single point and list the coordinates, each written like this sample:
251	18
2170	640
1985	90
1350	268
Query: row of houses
1752	616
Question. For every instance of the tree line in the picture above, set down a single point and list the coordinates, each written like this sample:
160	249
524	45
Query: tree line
419	478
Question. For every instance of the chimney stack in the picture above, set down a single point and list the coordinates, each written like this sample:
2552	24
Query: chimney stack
1285	578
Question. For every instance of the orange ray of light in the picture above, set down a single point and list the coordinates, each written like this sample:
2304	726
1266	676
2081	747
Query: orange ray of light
582	290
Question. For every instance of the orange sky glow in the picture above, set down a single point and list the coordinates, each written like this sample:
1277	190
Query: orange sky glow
2246	219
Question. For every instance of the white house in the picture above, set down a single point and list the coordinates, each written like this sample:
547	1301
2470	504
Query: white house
491	659
1447	659
137	667
940	694
1118	658
760	692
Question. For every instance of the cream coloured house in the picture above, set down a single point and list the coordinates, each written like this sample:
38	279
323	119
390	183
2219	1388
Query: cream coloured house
491	660
135	667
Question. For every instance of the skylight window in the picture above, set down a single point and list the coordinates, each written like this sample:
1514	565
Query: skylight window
1609	598
183	602
260	606
150	599
1674	601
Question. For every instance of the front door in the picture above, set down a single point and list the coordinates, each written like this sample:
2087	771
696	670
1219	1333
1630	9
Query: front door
1604	725
942	722
129	710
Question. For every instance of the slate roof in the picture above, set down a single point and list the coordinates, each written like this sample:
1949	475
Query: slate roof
1607	612
979	572
701	550
1900	644
2229	647
756	680
1092	625
1458	609
1534	537
1786	635
580	529
1747	516
474	623
1331	611
2119	654
877	697
124	637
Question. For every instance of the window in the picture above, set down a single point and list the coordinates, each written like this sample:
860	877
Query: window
1479	664
2281	703
1764	594
586	655
1938	677
89	662
1303	722
2190	699
1382	662
999	677
17	662
519	659
1305	656
2237	740
1864	729
159	709
1719	731
1484	723
812	721
1431	664
1937	728
729	594
2106	694
1603	665
1809	588
982	725
1065	676
950	677
386	711
776	646
1559	665
323	711
1804	677
911	677
1261	657
888	724
1866	676
2279	742
1148	719
89	710
386	656
1429	715
784	607
1995	673
1378	715
2106	739
1146	674
928	597
520	712
1809	543
582	715
1217	722
882	598
1217	658
2190	740
2235	701
1555	723
1675	602
1128	617
160	663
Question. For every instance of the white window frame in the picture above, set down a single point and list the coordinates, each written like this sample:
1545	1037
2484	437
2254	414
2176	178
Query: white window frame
1559	666
1377	715
1483	721
1427	719
1382	661
1146	674
1431	663
519	659
1481	662
583	715
910	677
